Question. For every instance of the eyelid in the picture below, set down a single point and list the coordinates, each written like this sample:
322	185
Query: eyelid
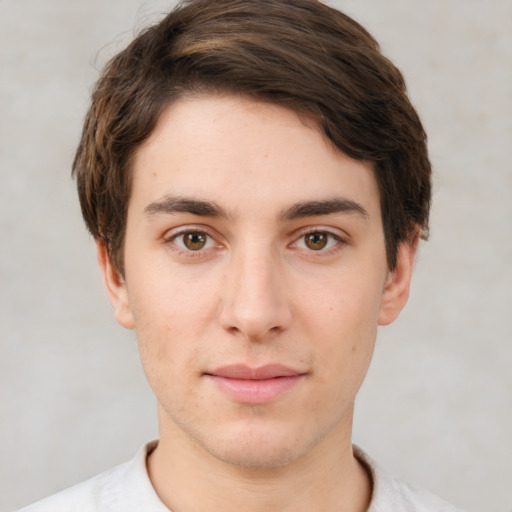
171	235
208	243
188	228
330	230
340	236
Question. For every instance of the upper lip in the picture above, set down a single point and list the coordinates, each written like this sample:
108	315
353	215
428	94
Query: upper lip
242	371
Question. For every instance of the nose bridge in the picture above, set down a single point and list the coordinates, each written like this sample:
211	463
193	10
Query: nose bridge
254	300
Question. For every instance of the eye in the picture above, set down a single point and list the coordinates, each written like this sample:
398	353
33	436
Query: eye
193	240
318	241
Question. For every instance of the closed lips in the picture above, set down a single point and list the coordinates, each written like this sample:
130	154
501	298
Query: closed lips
255	386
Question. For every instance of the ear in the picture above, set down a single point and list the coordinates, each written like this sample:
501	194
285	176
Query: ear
116	288
396	291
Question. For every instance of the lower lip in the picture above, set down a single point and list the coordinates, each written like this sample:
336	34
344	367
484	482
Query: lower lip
256	392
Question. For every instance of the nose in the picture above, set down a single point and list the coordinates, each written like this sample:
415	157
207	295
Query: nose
254	297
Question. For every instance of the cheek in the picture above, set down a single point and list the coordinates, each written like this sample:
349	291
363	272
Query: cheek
172	311
347	308
342	321
165	296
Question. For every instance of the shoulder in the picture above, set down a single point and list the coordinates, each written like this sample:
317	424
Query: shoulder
126	487
393	495
85	496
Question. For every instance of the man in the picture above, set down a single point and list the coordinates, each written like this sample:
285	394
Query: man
257	182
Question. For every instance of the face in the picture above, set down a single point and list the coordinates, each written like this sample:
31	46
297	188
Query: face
255	277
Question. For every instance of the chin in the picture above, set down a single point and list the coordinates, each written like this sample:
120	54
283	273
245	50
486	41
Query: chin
258	450
257	458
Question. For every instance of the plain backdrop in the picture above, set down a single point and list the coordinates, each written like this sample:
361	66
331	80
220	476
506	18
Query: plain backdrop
436	408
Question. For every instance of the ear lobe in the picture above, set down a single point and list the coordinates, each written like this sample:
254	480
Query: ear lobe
116	288
396	291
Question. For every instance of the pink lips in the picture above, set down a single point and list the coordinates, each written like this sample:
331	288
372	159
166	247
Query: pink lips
255	386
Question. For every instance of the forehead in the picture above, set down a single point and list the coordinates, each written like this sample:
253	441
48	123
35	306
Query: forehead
243	153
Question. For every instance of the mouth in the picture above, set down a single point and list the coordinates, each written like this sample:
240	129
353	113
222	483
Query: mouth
255	386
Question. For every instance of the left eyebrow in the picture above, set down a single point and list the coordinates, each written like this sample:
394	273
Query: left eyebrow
324	207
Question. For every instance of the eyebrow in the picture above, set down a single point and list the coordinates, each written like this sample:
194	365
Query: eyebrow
324	207
177	204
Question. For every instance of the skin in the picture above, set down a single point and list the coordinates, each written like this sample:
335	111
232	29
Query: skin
262	289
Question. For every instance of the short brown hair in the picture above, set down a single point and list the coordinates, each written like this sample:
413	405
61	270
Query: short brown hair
300	54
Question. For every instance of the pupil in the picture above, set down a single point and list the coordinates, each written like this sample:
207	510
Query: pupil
316	241
195	241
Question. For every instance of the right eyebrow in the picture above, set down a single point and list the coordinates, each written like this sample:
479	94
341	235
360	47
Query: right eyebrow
177	204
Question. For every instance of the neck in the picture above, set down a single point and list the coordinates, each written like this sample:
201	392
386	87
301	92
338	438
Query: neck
327	478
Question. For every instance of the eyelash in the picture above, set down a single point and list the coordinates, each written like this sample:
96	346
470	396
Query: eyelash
170	240
339	241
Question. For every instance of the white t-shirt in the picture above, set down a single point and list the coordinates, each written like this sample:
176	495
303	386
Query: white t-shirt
127	488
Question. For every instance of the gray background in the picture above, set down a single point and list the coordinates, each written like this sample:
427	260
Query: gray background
436	408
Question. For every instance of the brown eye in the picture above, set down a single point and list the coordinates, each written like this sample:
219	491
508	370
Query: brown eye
194	240
316	241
